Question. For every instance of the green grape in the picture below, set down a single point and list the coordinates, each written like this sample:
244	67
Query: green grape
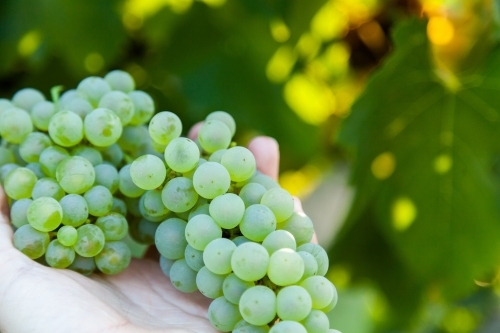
91	154
240	163
19	211
58	255
258	222
333	302
113	225
165	265
102	127
5	104
148	172
120	103
114	258
132	205
293	303
240	240
37	169
33	145
321	291
264	180
288	326
41	114
189	174
47	187
316	322
249	262
233	287
75	174
211	180
169	238
67	96
144	107
300	226
6	156
83	265
120	80
113	154
119	206
19	183
319	254
209	283
214	135
280	202
75	210
164	127
90	240
26	98
217	255
227	210
126	186
217	155
182	277
310	264
245	327
277	240
258	305
15	125
30	241
194	258
133	140
143	231
286	267
15	151
5	170
182	154
77	105
151	205
201	230
203	209
107	176
66	128
226	118
159	148
67	235
223	315
45	214
93	88
99	200
50	159
179	195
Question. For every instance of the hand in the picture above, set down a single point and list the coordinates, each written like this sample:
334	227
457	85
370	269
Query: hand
35	298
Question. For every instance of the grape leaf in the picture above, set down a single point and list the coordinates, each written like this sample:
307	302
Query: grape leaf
439	207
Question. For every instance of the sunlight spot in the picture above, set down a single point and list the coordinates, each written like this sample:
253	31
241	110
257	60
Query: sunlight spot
300	182
383	165
279	30
340	276
280	65
443	163
29	43
312	100
404	213
460	320
329	22
440	30
94	62
308	46
336	57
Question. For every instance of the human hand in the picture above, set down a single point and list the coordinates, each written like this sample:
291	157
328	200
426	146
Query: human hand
35	298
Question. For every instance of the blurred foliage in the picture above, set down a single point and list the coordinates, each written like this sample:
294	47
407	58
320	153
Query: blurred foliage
419	251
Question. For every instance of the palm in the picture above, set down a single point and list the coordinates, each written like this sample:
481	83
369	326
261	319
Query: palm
35	298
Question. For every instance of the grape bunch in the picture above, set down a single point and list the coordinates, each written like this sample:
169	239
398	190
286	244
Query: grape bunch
64	165
235	236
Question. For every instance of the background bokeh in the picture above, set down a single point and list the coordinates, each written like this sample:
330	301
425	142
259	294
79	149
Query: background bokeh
387	114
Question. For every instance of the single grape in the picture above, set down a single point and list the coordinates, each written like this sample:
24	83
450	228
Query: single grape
67	235
47	187
75	175
33	145
286	267
143	230
264	180
148	172
217	156
321	290
214	135
319	254
151	205
113	154
183	277
107	176
201	230
194	258
90	240
333	302
120	103
77	105
226	118
144	107
249	262
170	240
67	96
233	287
280	202
75	210
120	80
165	265
66	128
227	210
240	163
26	98
58	255
209	283
5	104
41	114
211	179
223	314
83	265
203	209
217	255
113	225
179	195
300	226
293	303
258	222
164	127
5	170
99	200
102	127
126	186
30	241
133	140
310	264
91	154
258	305
50	158
114	258
19	211
119	206
279	239
316	322
93	88
19	183
182	154
15	125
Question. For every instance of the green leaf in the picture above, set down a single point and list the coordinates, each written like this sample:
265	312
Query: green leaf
439	207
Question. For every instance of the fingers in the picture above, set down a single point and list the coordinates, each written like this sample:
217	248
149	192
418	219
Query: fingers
267	155
193	132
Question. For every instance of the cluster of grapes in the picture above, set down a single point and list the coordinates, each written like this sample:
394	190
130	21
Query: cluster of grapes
63	168
235	236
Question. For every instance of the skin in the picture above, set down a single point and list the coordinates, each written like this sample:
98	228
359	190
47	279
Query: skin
35	298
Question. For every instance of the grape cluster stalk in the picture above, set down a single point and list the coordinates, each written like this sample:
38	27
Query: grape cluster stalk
98	163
